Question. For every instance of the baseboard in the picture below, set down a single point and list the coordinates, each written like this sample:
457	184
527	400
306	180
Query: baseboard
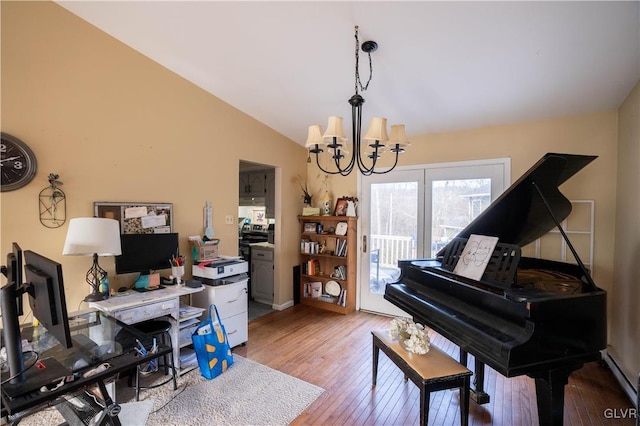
283	306
625	383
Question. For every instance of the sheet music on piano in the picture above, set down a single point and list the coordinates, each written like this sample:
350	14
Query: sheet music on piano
475	256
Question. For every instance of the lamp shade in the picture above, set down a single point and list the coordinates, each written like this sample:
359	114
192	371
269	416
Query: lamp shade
398	137
87	236
314	136
377	130
334	129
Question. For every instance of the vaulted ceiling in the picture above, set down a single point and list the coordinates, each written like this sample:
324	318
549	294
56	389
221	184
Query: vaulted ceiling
439	67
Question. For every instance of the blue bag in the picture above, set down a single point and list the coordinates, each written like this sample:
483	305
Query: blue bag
212	346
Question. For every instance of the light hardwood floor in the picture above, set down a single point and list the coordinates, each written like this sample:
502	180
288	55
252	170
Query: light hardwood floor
334	352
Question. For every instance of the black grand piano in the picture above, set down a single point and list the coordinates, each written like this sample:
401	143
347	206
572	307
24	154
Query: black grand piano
537	317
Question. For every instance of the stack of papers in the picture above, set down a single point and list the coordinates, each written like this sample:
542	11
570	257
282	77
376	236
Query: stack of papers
186	310
188	357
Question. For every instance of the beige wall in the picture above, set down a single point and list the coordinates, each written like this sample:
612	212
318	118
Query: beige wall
118	127
625	318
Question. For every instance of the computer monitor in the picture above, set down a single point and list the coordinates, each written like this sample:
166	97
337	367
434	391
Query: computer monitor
46	295
45	287
145	253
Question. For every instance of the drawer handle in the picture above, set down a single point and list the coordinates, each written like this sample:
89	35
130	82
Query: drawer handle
232	332
233	301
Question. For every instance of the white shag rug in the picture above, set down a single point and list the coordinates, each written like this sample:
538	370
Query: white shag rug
248	393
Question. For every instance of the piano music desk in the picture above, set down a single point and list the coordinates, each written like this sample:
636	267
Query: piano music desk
432	371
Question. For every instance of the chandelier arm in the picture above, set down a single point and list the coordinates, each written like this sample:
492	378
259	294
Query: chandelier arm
390	168
344	171
368	170
322	168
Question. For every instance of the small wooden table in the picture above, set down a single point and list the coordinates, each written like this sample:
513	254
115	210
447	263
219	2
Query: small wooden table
432	371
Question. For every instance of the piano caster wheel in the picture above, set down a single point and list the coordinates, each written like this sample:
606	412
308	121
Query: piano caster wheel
479	397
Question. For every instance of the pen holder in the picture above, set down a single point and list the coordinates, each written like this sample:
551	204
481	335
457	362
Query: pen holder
178	273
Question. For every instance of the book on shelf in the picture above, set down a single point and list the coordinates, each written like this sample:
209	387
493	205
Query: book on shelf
342	298
311	267
341	247
309	247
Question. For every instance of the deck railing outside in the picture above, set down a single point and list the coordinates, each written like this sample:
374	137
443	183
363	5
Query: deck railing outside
386	250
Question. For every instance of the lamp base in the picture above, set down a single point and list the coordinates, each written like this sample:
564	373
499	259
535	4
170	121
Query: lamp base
96	297
95	277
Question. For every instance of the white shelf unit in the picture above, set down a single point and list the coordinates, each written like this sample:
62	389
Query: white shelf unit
187	322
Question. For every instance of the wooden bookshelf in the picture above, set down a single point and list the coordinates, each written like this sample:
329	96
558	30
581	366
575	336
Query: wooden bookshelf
325	257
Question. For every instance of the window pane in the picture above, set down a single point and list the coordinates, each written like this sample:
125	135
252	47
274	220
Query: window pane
455	203
394	229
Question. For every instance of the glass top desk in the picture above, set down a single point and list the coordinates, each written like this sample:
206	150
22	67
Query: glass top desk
98	340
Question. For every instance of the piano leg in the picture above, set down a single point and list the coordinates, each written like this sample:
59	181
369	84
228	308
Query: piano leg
477	392
550	395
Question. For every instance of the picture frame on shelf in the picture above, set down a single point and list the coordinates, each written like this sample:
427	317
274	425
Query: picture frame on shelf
341	207
310	228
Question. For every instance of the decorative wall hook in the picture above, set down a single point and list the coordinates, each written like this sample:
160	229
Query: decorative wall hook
53	203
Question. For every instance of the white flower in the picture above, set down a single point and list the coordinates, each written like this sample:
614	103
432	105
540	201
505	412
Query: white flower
415	337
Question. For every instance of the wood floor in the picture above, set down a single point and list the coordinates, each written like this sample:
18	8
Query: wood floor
334	352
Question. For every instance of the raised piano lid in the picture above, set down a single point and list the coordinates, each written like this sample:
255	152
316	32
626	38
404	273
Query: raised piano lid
519	215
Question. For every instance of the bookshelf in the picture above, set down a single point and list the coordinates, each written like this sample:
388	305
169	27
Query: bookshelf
326	259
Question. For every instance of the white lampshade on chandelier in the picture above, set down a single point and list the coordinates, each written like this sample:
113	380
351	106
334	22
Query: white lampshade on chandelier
365	150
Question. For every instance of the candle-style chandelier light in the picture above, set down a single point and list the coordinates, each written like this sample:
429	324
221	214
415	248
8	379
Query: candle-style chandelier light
363	154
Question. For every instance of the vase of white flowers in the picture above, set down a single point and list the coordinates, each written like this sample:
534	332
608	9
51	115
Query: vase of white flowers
412	335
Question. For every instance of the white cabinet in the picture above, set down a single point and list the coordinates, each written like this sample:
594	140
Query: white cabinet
262	273
270	194
259	185
252	184
231	300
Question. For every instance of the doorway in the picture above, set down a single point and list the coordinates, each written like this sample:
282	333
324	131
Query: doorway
256	229
413	212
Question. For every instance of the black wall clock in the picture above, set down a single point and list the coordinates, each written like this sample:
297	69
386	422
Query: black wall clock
17	163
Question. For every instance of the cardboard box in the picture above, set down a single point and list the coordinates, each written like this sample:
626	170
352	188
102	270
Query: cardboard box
204	250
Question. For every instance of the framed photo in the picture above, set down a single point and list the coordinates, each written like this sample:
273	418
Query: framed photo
310	227
341	207
259	217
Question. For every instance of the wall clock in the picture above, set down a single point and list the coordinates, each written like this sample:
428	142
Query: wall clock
18	163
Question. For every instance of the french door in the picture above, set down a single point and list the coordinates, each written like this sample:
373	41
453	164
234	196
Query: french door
412	212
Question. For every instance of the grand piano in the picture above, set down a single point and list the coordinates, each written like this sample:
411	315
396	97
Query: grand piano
538	317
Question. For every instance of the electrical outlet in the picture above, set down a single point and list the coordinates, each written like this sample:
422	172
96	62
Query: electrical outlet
228	219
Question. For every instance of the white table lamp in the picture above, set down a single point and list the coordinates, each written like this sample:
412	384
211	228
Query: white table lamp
92	236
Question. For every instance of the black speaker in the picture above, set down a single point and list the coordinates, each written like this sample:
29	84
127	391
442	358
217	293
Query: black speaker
296	284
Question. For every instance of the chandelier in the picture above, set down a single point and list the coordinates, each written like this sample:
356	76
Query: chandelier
364	155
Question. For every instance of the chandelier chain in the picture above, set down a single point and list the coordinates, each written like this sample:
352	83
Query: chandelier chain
357	79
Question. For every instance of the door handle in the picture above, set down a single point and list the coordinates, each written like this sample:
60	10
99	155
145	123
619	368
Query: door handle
364	243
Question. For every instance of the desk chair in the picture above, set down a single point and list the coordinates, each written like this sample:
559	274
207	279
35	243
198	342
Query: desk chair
160	330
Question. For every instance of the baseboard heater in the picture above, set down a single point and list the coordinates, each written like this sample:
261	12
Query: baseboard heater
627	385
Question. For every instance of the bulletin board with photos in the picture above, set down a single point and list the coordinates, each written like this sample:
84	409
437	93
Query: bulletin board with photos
138	218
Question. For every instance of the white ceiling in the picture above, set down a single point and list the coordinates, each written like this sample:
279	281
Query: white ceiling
440	66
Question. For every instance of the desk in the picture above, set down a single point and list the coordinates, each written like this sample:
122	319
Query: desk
97	339
135	307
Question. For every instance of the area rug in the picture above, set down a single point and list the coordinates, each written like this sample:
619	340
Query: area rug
248	393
